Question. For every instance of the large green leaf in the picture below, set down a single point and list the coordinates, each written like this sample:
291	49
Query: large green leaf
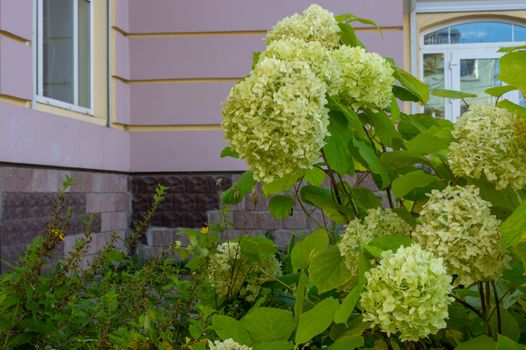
512	107
519	250
257	248
404	95
240	189
454	94
281	206
274	345
316	320
512	67
349	17
347	343
346	308
337	145
510	326
498	91
268	324
406	183
400	159
384	128
364	199
229	152
513	230
328	270
482	342
282	184
348	35
431	140
389	242
373	161
412	84
315	176
355	122
322	198
505	343
227	327
308	247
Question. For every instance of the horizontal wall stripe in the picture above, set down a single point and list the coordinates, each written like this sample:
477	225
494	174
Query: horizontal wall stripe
32	137
15	100
175	16
190	57
175	104
180	151
15	37
178	81
169	128
16	18
16	69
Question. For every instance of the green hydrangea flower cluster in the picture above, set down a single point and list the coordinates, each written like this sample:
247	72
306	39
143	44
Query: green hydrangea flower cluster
407	293
276	118
233	274
367	78
317	56
315	24
457	225
378	222
228	344
490	141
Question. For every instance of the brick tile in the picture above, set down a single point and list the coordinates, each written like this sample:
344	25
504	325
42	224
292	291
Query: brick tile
255	220
114	221
16	179
296	222
159	237
104	202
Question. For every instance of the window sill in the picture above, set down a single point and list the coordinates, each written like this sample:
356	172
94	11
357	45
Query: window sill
63	105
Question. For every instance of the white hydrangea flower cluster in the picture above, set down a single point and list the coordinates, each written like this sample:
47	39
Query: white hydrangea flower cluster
318	57
367	78
276	118
228	344
315	24
407	293
490	141
378	222
233	274
457	225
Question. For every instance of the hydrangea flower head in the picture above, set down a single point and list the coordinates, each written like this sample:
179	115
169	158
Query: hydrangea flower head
378	222
407	293
233	274
227	344
490	141
276	119
315	24
457	225
367	78
317	56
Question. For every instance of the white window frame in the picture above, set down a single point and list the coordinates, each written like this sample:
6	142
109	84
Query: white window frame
39	49
453	53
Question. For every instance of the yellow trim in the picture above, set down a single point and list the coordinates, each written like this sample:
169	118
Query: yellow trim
63	112
15	100
177	80
15	37
165	128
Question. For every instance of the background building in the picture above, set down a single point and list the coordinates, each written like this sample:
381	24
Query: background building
125	94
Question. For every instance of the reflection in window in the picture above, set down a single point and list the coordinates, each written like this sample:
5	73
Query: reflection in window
477	75
477	32
434	78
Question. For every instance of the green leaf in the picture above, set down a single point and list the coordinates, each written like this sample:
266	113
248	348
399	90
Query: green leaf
512	66
347	343
519	250
299	295
390	242
400	159
257	248
372	160
309	247
364	199
346	308
478	343
513	230
322	198
454	94
328	270
337	145
229	152
404	95
349	17
510	326
281	206
316	320
412	84
355	122
274	345
282	184
406	183
268	324
348	35
431	140
227	327
505	343
384	128
512	48
255	58
315	176
240	189
512	107
498	91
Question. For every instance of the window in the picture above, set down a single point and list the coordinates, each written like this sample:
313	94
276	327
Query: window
64	53
465	57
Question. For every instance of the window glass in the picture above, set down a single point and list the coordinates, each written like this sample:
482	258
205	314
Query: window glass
519	33
477	32
84	53
434	78
477	75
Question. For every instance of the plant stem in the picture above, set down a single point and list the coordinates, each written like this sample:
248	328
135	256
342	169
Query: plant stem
484	308
333	179
467	305
497	306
